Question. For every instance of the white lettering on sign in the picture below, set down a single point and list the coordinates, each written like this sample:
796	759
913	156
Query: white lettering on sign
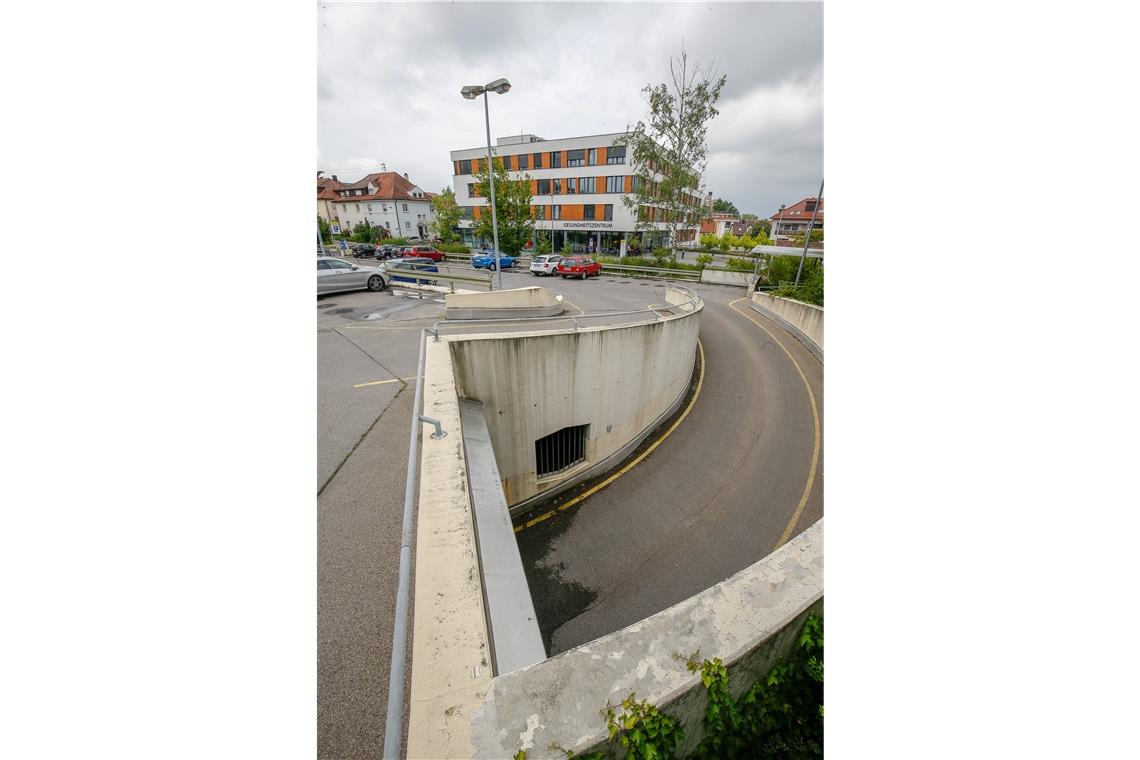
584	225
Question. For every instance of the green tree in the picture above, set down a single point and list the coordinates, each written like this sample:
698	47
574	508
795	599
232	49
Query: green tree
512	208
721	206
762	227
708	240
816	237
447	215
668	151
363	233
325	230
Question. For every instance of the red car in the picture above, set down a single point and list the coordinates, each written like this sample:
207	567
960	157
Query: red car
426	252
578	266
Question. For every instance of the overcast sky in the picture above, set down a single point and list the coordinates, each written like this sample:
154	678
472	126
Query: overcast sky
390	74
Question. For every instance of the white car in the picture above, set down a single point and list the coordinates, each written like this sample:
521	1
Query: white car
336	274
544	264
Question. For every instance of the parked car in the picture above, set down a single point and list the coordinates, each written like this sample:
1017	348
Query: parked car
578	266
401	269
487	260
363	251
334	275
544	264
413	239
427	252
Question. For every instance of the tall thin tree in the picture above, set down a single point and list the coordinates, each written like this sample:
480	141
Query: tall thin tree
668	150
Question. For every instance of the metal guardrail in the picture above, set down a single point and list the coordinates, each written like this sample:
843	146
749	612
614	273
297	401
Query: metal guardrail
632	271
425	278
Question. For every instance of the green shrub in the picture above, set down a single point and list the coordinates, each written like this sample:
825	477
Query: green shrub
453	248
780	716
704	259
738	264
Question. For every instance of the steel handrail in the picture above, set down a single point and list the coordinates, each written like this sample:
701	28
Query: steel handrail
394	722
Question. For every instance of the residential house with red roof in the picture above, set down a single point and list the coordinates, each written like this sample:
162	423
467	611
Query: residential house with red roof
386	200
326	194
794	220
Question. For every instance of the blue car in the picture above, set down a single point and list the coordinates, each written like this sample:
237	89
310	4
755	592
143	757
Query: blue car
486	260
397	267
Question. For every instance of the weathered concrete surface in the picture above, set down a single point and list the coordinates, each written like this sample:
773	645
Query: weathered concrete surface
804	318
620	380
516	641
747	620
451	664
723	277
518	303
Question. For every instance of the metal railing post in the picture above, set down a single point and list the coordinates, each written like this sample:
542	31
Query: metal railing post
394	723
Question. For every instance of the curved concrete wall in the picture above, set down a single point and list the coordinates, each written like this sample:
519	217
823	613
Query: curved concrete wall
621	380
531	301
805	320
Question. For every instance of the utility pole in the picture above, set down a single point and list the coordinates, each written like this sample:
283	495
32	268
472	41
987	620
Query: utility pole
807	237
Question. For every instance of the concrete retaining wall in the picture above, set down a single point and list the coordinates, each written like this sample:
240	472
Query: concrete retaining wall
805	320
748	620
531	301
620	380
724	277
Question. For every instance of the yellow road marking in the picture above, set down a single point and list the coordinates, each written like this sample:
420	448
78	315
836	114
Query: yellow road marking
631	465
382	382
788	531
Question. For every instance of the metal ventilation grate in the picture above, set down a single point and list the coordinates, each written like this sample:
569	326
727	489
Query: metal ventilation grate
560	451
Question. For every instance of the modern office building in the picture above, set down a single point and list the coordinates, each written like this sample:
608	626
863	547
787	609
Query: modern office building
577	186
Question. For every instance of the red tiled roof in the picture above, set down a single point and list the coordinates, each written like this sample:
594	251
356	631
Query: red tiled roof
391	186
326	188
799	212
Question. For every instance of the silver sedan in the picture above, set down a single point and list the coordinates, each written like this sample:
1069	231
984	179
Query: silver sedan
335	275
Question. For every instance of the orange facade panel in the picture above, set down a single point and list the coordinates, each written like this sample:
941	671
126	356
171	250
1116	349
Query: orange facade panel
601	156
573	212
629	184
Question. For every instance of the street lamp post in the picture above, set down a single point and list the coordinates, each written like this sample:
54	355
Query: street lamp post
807	237
501	86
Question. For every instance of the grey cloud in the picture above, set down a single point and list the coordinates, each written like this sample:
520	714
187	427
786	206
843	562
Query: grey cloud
390	75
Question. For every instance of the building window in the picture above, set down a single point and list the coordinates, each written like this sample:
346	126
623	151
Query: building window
369	208
588	211
471	189
575	157
540	212
560	451
616	155
407	225
587	184
537	160
405	207
357	206
556	159
557	186
608	212
388	225
465	167
557	212
524	161
571	185
544	187
613	184
593	157
384	207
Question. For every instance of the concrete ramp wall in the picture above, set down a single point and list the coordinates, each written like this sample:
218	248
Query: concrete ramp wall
804	320
620	380
530	301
